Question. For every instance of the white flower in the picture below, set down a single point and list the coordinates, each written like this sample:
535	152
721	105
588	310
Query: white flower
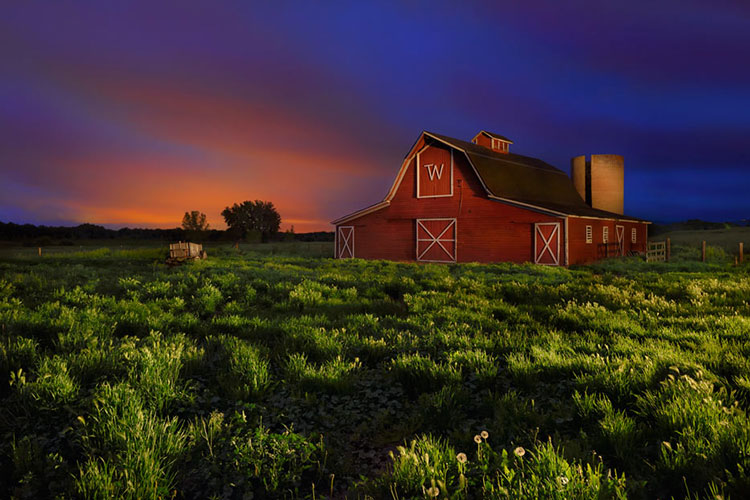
461	457
484	434
562	480
477	439
519	452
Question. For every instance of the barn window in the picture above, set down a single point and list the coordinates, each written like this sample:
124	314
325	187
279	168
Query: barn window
499	145
605	234
589	234
633	235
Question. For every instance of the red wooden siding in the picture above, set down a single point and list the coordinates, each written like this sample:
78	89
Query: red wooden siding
435	172
486	230
483	140
492	143
581	252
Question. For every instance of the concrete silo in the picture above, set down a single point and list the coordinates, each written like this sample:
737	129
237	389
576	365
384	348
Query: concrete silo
600	180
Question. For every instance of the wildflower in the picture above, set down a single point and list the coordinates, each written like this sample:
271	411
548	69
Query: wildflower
477	439
461	457
562	480
433	491
519	452
484	434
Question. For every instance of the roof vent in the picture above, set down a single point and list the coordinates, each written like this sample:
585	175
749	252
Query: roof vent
495	142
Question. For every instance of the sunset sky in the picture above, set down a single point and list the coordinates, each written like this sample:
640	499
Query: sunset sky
131	113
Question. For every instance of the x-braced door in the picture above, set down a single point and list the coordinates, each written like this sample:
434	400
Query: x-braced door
345	242
620	230
547	243
436	240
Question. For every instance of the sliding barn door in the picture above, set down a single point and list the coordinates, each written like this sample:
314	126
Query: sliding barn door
547	243
436	240
345	242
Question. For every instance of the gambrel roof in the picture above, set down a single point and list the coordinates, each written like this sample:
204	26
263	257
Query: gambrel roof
526	180
511	178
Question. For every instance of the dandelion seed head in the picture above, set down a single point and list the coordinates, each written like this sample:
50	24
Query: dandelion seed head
484	434
562	480
519	452
461	457
477	439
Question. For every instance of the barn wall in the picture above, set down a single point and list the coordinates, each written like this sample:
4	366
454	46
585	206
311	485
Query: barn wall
581	252
487	230
485	141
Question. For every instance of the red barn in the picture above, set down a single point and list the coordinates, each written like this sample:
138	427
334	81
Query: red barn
458	201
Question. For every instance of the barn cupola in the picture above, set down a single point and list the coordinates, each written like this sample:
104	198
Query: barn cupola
495	142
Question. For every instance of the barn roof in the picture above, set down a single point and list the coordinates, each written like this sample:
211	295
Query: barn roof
511	178
496	136
526	180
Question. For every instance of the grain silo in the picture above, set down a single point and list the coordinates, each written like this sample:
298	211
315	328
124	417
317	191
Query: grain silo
600	180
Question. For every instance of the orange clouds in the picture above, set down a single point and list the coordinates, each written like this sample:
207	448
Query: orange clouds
199	150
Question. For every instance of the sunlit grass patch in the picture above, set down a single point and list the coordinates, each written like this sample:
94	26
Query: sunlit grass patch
336	375
49	386
242	459
700	425
131	452
239	370
431	468
418	373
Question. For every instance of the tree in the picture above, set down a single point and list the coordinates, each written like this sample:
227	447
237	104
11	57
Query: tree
194	221
248	216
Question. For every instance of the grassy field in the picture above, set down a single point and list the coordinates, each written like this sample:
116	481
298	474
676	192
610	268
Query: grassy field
277	372
725	240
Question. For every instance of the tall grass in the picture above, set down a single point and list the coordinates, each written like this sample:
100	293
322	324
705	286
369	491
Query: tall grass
267	372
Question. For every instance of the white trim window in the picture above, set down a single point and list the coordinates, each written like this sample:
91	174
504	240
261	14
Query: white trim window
605	234
433	171
633	235
589	234
499	145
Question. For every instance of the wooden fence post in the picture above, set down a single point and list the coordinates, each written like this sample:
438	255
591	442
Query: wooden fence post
40	251
703	250
669	248
741	256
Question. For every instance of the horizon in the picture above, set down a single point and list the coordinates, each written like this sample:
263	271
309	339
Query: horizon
130	115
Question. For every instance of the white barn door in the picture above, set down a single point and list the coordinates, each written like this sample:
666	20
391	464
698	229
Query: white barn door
436	240
620	230
547	243
345	242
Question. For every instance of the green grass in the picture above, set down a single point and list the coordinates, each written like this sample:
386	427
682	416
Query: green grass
726	240
275	371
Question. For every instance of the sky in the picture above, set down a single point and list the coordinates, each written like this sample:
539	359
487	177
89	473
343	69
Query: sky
131	113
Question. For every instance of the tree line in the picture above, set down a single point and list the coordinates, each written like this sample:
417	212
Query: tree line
253	221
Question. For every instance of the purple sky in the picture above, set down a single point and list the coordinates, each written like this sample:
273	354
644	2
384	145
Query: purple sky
131	113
